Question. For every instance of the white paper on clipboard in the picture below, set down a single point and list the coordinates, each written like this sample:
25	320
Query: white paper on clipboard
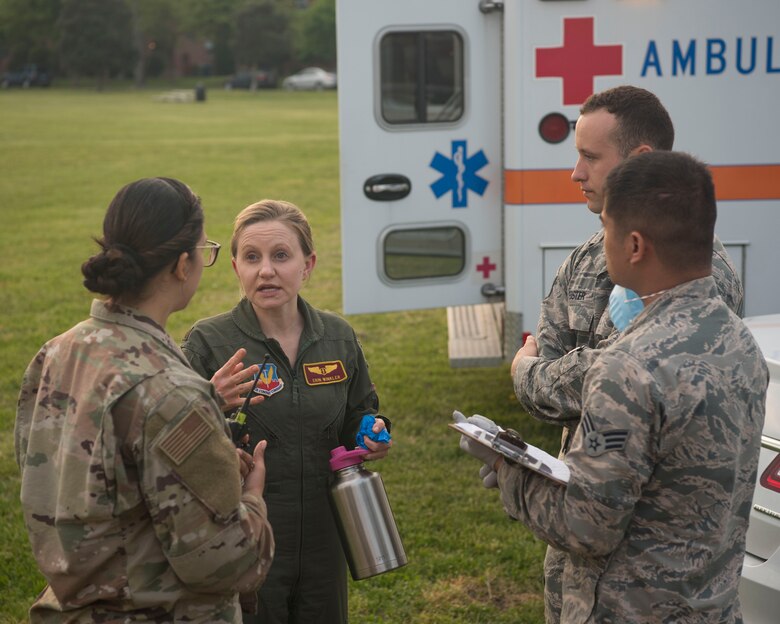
531	456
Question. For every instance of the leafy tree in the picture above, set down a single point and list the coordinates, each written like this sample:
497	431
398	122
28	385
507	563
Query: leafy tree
96	38
315	40
224	60
213	19
156	27
262	34
205	17
28	31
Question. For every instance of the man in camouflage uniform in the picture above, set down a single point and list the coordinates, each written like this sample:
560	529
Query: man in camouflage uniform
663	463
573	329
130	484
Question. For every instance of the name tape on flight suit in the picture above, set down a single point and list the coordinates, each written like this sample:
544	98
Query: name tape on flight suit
321	373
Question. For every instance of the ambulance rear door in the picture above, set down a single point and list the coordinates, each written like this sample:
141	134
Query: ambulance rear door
420	153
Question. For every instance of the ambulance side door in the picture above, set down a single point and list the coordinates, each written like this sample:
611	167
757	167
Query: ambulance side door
420	153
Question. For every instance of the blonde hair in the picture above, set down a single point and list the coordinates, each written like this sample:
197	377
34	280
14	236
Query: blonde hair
273	210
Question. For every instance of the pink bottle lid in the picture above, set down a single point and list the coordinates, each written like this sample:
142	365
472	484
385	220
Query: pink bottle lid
340	457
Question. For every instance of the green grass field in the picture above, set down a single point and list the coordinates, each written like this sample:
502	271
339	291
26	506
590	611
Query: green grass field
65	152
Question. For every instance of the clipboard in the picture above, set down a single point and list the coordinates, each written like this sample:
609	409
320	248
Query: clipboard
510	445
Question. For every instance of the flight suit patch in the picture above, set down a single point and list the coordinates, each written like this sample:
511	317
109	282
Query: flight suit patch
321	373
269	382
185	437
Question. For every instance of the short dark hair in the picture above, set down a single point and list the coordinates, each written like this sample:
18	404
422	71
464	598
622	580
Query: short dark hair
641	118
148	225
668	197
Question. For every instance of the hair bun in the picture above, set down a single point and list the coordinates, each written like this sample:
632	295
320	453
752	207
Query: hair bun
113	271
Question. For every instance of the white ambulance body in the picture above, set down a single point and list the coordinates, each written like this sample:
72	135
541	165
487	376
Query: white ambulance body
450	195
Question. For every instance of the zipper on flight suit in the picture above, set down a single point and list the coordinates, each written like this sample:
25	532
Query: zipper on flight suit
295	392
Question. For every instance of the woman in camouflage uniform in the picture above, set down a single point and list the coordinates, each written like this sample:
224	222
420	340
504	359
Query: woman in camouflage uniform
118	441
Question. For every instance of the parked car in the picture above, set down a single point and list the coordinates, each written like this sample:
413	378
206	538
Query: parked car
264	79
759	590
28	76
311	78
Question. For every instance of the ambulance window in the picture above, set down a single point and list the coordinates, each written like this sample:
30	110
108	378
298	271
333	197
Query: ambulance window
421	77
424	253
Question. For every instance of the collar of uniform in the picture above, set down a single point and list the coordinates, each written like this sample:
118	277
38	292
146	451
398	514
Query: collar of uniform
701	288
130	317
596	249
245	318
682	294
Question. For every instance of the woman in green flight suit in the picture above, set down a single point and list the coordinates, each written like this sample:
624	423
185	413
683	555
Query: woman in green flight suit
317	390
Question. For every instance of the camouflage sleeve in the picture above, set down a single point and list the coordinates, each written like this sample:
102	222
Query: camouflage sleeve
551	390
26	406
213	536
727	279
536	379
554	336
591	514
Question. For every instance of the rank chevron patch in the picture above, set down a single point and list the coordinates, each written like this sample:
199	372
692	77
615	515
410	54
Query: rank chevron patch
598	442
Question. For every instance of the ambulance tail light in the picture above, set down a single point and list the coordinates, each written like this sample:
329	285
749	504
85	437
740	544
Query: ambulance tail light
555	127
770	479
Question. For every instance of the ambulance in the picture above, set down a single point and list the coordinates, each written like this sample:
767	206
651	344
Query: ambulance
456	140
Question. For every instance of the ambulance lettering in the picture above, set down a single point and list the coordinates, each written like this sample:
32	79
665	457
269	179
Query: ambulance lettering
746	55
579	60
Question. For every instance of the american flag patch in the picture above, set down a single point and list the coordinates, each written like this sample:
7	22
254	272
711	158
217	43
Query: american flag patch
185	437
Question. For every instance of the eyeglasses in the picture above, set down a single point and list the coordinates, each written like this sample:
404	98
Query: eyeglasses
210	252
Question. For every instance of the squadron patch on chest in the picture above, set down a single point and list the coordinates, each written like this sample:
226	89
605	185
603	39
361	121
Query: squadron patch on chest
185	437
321	373
599	442
269	383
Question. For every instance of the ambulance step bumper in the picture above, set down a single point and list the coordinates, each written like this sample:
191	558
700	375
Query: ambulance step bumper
475	335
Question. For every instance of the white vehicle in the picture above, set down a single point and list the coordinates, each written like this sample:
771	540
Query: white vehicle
456	147
311	79
759	589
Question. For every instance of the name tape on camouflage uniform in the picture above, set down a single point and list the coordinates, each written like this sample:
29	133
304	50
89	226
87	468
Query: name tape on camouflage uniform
599	442
185	437
320	373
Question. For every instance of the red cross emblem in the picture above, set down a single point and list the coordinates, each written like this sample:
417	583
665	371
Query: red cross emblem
486	267
579	60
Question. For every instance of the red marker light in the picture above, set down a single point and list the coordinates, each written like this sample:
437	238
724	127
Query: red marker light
554	127
771	477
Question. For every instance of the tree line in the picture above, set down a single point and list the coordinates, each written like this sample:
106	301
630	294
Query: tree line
105	39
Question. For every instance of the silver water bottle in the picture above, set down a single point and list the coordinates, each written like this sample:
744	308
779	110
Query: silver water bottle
365	521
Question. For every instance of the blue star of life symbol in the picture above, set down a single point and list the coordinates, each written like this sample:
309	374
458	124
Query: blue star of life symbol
459	174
